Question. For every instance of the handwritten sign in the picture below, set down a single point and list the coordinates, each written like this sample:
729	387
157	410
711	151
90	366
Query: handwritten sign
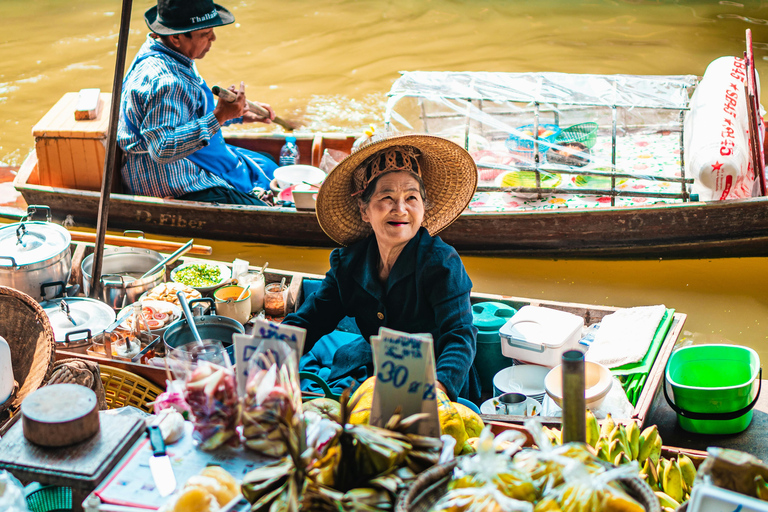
404	365
246	345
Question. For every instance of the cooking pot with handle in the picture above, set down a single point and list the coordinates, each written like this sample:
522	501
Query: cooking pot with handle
210	327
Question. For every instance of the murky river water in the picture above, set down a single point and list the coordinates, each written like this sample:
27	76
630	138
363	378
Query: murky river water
329	63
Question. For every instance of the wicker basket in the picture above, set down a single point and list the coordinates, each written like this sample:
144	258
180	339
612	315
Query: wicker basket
29	334
585	133
125	388
432	485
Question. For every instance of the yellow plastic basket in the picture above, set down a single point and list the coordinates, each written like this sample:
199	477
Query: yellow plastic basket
125	388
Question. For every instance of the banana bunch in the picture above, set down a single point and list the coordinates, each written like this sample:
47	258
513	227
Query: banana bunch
671	479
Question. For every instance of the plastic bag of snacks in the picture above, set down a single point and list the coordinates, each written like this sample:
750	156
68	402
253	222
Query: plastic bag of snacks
583	490
272	398
210	391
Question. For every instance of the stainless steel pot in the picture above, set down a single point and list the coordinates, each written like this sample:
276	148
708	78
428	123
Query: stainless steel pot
210	327
121	270
34	254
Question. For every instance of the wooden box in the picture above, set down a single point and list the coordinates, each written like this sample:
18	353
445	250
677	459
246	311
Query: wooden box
71	153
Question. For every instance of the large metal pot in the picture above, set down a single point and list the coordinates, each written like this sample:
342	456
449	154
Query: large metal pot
33	254
77	320
210	327
121	270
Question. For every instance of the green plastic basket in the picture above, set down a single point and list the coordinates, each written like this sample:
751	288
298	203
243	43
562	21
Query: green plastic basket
50	498
585	133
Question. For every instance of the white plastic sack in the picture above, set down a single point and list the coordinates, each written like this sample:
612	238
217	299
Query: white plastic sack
717	149
11	494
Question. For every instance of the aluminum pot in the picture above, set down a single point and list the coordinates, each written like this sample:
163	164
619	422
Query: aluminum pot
210	327
34	254
76	320
121	270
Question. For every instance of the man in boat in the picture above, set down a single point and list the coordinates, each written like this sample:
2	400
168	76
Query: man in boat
170	126
385	203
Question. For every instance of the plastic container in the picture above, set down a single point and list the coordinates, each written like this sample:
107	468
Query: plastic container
489	317
289	154
713	387
6	372
540	335
709	498
521	143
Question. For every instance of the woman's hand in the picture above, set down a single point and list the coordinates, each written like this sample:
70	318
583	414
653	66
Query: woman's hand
441	387
253	117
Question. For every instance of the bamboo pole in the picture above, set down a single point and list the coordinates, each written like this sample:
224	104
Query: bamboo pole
109	164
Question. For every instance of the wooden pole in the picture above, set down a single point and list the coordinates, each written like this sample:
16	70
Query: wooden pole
144	243
109	165
753	99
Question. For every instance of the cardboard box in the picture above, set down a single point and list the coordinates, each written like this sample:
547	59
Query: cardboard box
71	152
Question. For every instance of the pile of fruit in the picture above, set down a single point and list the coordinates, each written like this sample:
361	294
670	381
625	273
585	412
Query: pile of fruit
670	478
209	491
210	391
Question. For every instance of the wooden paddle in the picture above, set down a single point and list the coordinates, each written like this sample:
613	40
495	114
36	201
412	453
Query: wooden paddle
227	95
144	243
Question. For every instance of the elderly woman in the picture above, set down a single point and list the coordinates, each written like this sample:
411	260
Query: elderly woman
385	203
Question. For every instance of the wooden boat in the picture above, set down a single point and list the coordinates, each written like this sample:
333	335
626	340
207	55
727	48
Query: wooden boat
295	280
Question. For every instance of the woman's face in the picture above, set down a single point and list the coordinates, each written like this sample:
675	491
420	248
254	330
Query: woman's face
396	209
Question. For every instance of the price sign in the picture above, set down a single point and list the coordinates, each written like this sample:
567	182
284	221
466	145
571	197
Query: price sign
246	345
404	365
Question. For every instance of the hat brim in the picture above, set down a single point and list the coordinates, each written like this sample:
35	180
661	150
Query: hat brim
150	17
449	174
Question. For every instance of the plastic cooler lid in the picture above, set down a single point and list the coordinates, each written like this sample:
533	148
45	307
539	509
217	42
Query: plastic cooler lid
538	325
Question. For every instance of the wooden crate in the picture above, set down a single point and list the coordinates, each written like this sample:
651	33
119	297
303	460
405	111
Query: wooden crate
71	153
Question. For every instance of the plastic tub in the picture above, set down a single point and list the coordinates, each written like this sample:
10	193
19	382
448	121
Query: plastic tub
489	317
540	335
713	387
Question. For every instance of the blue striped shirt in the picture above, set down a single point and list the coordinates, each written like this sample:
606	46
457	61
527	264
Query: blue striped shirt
163	98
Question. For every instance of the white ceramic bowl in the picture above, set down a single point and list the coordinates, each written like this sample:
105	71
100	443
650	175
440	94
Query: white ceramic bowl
527	379
597	381
226	274
293	174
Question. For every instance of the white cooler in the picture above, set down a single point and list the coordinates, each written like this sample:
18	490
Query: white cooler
540	335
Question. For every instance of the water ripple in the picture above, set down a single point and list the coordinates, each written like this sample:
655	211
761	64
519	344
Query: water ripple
754	21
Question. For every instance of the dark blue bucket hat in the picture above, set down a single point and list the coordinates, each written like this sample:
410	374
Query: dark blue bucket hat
170	17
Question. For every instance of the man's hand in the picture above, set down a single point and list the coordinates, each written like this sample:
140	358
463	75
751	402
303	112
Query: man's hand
253	117
224	110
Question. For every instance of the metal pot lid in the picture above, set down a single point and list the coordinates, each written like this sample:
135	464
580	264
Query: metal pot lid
73	314
32	242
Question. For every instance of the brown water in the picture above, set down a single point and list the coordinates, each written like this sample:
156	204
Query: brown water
330	64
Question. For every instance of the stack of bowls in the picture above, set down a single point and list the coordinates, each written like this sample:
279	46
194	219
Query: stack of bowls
527	379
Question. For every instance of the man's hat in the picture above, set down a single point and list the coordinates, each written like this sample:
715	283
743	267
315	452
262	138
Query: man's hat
447	170
170	17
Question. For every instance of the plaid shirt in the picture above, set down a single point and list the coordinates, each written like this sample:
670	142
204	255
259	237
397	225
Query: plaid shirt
163	98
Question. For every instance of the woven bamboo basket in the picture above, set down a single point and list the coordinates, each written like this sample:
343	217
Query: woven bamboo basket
29	334
431	485
124	388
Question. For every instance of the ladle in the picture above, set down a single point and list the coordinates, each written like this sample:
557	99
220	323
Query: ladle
189	316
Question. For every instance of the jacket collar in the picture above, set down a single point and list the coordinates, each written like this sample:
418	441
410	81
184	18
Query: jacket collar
404	266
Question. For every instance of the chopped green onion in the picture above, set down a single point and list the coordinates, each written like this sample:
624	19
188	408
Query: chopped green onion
199	276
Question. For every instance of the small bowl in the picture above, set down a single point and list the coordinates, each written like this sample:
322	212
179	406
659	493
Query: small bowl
226	274
527	379
173	311
597	380
293	174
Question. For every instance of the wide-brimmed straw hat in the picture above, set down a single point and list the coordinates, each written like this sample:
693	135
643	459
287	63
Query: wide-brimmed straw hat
447	170
170	17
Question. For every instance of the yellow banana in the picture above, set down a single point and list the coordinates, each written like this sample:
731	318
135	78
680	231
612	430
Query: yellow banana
633	437
603	449
593	429
607	426
614	450
666	500
761	488
621	458
688	470
649	473
655	450
672	481
647	440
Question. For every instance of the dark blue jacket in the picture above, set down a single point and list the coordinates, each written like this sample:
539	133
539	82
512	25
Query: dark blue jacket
427	291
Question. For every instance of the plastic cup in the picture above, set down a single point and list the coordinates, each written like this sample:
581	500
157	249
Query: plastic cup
256	279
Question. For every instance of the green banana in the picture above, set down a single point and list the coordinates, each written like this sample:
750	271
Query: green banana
603	449
688	470
646	443
607	426
615	450
761	488
633	436
672	481
621	458
593	429
666	500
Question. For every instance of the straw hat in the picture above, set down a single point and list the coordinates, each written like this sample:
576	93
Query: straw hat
447	170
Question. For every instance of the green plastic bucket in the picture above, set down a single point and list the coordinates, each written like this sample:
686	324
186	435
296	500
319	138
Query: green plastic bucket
713	387
489	317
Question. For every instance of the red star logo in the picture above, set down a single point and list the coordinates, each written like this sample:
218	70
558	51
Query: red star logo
717	166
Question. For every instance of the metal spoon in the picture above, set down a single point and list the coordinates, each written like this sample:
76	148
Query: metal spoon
189	316
170	259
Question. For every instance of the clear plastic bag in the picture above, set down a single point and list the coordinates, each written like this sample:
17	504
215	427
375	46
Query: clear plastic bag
11	494
272	398
210	390
585	491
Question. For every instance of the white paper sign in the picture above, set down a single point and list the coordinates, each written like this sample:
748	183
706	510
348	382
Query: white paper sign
246	345
404	365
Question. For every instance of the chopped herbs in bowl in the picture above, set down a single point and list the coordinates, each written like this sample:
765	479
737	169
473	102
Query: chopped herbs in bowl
201	276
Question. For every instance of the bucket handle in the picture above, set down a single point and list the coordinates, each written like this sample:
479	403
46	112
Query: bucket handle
715	415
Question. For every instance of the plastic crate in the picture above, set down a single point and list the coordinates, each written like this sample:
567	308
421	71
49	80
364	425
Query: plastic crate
124	388
585	133
522	145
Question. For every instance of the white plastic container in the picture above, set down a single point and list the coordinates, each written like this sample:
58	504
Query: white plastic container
709	498
540	335
6	372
